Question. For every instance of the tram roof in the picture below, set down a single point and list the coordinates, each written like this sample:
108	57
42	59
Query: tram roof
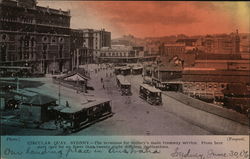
75	109
125	68
137	67
123	80
150	88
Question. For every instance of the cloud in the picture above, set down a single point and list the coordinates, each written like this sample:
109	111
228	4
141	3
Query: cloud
170	13
158	18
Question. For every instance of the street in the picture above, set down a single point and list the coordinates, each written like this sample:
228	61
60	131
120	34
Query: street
132	115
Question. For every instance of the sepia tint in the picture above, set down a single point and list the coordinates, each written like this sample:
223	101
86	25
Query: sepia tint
124	68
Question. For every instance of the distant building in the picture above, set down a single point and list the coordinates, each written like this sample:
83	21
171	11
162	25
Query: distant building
86	45
245	46
81	47
221	44
101	39
221	61
118	54
209	83
180	50
166	77
34	36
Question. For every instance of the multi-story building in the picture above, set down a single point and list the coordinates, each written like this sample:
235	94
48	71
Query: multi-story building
118	54
81	46
221	44
179	50
34	36
101	38
221	61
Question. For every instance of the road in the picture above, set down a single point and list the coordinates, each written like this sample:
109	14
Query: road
133	115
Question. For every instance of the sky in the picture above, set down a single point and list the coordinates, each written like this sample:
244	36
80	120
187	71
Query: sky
157	18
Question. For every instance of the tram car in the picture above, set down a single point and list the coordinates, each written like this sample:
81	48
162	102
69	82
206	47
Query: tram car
137	70
125	70
75	118
117	70
150	94
124	85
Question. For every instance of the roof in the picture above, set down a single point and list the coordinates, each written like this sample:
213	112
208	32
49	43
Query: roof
236	89
170	67
150	88
186	40
123	80
137	67
226	76
25	93
81	73
206	56
40	100
125	68
74	109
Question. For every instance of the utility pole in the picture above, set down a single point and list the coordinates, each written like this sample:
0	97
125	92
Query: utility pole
77	58
59	93
54	65
17	84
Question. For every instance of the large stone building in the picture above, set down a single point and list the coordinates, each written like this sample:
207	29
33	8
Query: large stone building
81	46
34	36
101	39
86	45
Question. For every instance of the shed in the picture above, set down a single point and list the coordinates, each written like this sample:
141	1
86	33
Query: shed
36	108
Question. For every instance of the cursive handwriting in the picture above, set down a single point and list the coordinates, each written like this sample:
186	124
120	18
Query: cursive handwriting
132	150
210	154
187	154
43	150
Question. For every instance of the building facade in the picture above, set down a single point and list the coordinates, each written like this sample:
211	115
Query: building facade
101	39
221	44
210	83
81	47
27	38
118	54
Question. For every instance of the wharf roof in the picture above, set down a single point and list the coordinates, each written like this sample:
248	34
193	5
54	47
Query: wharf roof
227	76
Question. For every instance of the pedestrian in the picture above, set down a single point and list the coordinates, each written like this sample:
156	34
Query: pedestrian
101	80
103	86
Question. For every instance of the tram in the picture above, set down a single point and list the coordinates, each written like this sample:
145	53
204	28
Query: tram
125	70
124	85
137	70
74	119
150	94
